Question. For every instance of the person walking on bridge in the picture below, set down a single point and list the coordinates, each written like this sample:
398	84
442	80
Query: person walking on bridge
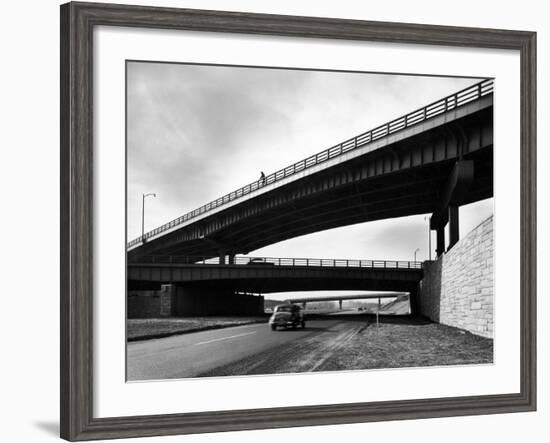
262	177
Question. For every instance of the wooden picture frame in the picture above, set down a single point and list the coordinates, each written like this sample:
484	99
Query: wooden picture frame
77	23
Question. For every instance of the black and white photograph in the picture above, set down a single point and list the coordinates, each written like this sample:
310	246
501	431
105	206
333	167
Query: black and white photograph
285	221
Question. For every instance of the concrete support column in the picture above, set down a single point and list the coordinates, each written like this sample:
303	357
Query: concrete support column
221	254
231	259
167	299
340	304
304	305
453	226
440	249
414	302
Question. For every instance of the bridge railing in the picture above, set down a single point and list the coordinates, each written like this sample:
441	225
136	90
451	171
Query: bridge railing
277	261
427	112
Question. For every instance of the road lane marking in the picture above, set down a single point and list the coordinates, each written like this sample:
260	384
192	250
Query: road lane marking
224	338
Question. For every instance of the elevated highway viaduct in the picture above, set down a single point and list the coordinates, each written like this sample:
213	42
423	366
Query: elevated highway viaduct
431	160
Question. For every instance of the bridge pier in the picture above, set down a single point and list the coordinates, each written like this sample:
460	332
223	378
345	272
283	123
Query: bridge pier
440	234
453	195
414	306
453	226
340	304
167	299
454	233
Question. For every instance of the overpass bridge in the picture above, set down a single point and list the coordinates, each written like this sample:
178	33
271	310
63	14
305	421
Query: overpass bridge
264	275
431	160
189	286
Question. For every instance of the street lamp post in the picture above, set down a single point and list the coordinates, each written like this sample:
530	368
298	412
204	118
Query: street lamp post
415	251
151	194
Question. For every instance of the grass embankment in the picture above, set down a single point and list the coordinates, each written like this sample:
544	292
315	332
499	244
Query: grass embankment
146	328
398	344
358	343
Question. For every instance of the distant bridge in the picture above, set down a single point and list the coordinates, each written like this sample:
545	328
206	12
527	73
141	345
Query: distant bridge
431	160
369	296
341	298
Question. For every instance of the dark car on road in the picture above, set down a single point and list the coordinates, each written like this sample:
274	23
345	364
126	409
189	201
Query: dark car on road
259	261
287	316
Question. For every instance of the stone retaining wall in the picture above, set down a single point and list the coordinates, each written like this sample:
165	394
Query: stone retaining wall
457	288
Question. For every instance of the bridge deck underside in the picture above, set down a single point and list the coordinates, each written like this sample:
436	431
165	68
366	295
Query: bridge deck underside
404	178
275	279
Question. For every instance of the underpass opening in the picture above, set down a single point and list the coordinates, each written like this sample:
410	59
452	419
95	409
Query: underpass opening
321	303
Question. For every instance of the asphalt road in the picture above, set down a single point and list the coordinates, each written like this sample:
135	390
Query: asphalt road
239	350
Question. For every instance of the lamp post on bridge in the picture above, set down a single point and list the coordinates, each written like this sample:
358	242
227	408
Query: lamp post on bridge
415	251
150	194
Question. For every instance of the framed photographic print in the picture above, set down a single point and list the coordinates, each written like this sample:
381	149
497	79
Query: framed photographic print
260	210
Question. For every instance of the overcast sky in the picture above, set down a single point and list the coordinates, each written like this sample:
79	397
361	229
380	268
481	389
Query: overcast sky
196	133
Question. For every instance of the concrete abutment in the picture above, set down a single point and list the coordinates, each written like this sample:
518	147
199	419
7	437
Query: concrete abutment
458	288
181	301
